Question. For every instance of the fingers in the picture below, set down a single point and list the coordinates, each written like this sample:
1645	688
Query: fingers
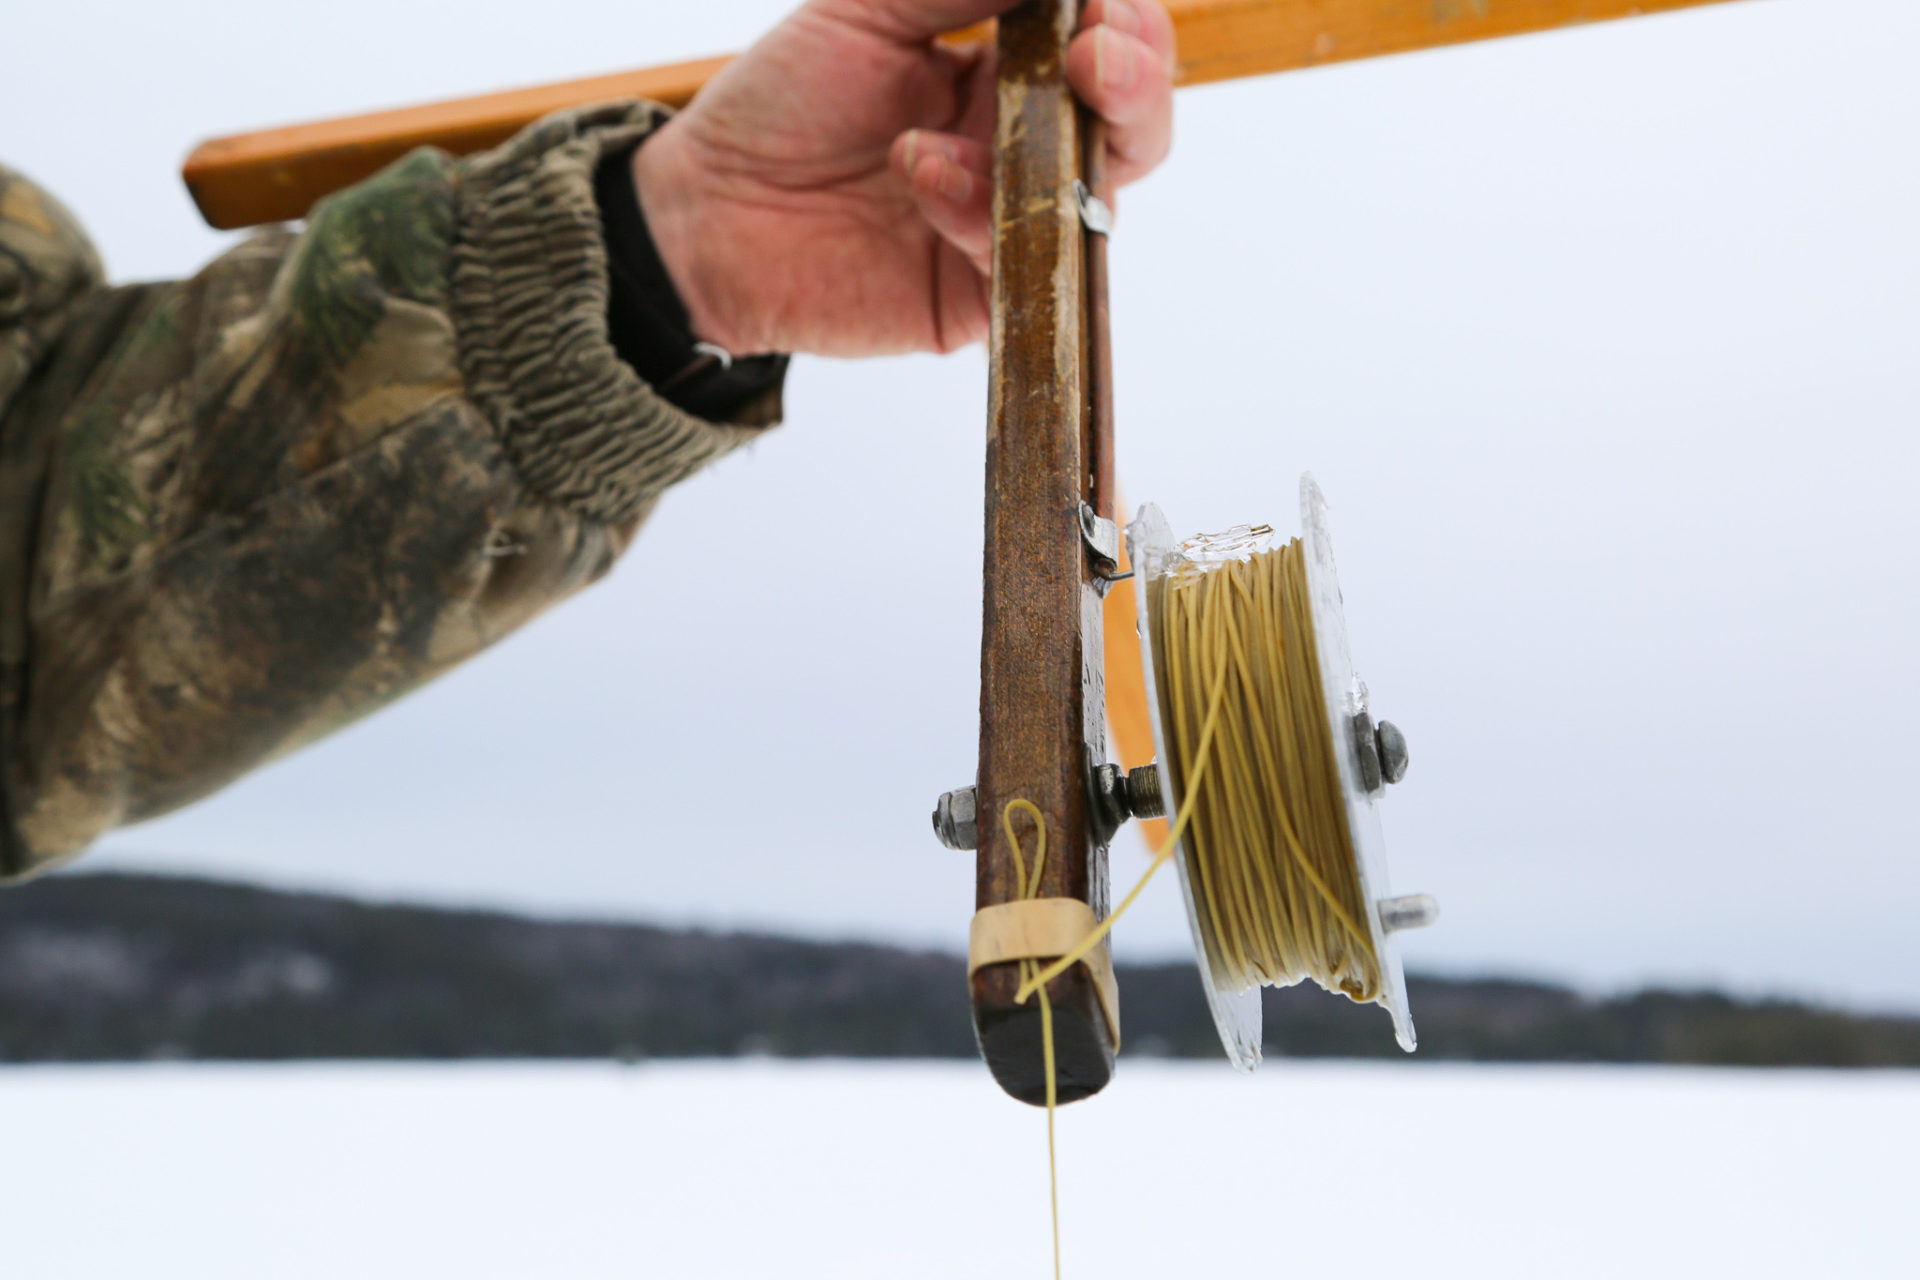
1143	18
909	21
951	181
1121	64
960	301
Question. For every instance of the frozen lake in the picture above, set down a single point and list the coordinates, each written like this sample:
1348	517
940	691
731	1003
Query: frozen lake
768	1169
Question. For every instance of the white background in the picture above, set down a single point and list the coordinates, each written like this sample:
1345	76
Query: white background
1603	344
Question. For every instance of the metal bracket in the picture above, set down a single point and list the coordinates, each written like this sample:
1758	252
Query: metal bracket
1095	214
1102	537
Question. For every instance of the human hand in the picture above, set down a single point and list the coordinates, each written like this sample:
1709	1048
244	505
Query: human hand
830	191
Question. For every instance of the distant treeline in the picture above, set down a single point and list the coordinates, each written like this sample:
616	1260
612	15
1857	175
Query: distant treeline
117	967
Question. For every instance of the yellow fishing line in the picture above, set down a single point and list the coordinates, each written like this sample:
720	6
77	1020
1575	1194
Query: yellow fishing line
1092	940
1030	888
1251	754
1271	858
1270	855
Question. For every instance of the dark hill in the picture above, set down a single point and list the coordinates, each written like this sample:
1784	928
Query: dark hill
114	967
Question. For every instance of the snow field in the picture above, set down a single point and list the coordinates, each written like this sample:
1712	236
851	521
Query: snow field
833	1169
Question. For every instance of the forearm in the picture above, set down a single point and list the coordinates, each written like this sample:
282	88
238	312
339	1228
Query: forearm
274	497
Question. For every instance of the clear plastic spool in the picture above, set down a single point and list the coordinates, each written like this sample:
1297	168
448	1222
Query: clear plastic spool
1155	553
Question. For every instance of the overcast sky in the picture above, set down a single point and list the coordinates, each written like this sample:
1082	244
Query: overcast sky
1605	346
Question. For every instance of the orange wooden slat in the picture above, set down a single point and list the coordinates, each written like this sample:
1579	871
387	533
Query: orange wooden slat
1127	683
276	174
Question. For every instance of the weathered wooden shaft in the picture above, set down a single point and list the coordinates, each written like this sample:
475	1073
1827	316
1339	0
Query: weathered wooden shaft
1042	712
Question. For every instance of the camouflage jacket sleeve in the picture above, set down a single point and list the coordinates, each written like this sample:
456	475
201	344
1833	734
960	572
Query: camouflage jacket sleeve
239	511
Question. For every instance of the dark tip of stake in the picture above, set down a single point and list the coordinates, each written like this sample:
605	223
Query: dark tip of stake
1009	1036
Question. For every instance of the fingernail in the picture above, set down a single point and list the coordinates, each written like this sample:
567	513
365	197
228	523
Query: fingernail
1121	16
1111	65
913	149
956	184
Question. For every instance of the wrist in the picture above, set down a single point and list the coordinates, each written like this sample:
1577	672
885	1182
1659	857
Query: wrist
648	322
668	188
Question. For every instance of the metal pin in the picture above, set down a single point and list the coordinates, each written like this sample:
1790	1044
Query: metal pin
1413	911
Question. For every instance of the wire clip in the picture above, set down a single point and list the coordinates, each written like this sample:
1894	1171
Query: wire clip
1096	215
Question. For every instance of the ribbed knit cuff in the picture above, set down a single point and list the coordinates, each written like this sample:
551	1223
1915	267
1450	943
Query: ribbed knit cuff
530	304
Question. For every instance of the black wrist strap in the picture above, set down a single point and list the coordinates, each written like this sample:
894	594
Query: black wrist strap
647	321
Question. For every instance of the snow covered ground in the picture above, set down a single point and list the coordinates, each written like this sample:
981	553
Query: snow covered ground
768	1169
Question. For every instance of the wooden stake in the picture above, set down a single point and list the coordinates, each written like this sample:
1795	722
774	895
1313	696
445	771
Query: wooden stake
1042	710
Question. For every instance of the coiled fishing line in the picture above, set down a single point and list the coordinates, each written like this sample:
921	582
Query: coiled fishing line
1268	756
1270	857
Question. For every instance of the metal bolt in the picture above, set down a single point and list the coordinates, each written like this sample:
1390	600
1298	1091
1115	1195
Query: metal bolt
1143	792
1413	911
1117	796
955	819
1380	750
1392	747
1366	752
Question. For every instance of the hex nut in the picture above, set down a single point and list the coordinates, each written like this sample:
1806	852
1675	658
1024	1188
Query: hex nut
956	821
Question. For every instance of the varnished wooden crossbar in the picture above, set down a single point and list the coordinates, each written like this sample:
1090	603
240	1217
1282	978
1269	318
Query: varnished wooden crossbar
277	174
